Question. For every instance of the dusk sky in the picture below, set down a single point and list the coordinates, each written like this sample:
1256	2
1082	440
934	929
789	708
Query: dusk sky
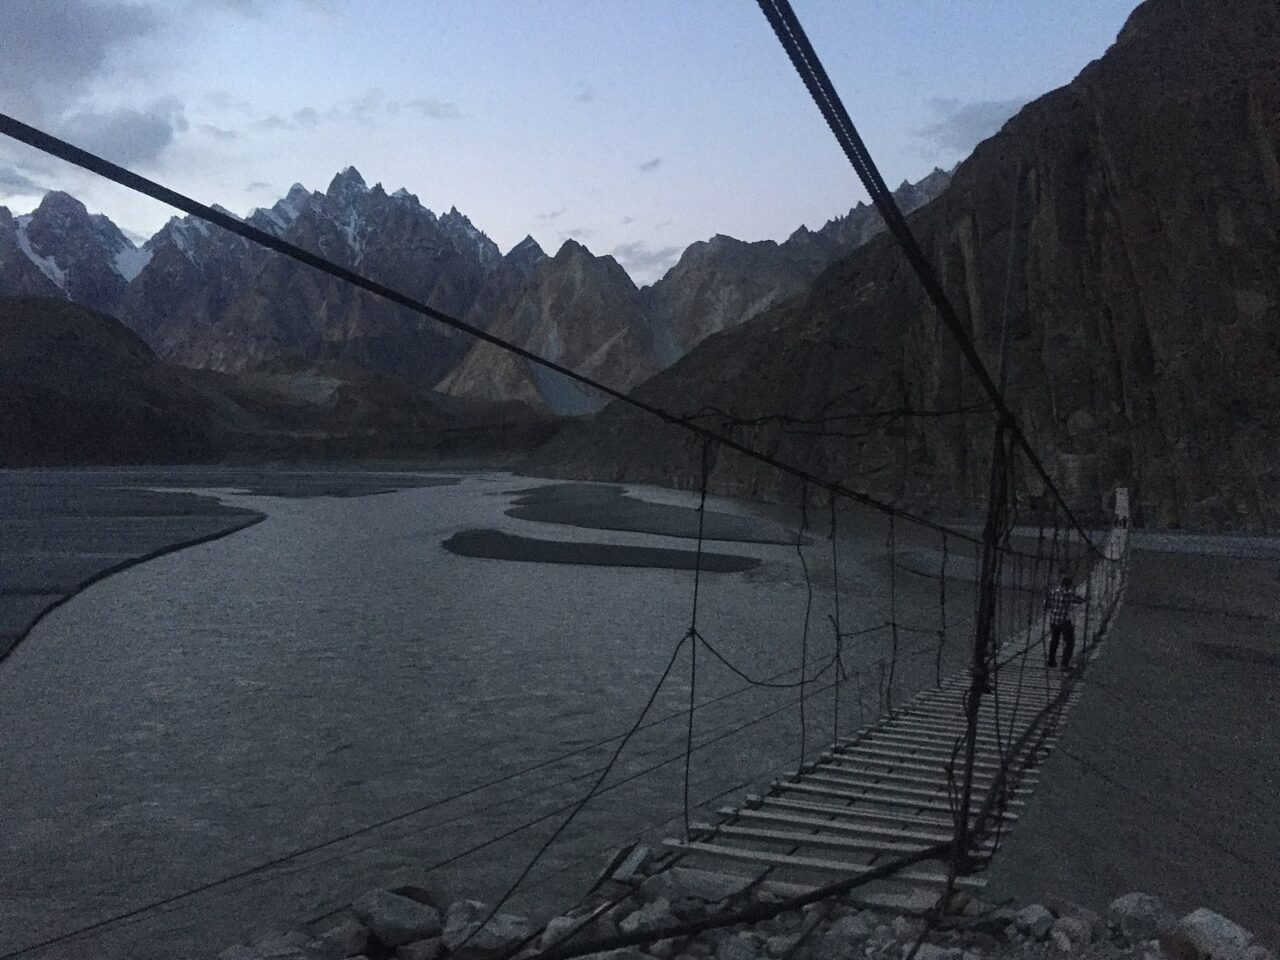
635	127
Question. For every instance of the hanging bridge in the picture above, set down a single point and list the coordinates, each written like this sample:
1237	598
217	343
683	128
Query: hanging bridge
891	788
904	809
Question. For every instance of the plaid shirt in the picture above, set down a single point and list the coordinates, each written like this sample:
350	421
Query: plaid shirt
1059	604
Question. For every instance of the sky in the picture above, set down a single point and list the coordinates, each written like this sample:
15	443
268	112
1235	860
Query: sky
633	126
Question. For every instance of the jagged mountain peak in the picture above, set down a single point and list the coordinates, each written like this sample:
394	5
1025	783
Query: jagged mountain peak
56	203
527	250
571	248
346	184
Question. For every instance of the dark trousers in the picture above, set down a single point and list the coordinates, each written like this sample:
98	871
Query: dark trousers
1067	631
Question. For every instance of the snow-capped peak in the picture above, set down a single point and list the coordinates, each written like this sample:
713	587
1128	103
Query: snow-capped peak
293	202
347	184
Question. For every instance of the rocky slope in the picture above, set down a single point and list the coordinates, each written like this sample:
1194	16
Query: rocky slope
77	386
60	249
411	922
577	309
723	282
1145	322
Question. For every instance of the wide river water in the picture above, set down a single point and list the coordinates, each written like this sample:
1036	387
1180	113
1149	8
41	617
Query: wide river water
333	680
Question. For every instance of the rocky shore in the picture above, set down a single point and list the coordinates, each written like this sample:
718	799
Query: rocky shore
414	923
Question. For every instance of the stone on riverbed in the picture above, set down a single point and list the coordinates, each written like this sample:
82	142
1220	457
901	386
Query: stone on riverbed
396	920
844	938
1140	916
652	915
557	929
465	940
1213	935
345	939
1076	931
777	946
1035	921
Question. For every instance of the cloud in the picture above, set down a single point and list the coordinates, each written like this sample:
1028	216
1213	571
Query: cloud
580	234
257	9
222	100
126	136
371	109
258	185
219	133
433	109
626	220
51	51
962	126
644	262
651	165
15	183
585	95
274	122
552	215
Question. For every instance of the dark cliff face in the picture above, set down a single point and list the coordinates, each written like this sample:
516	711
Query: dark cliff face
1145	321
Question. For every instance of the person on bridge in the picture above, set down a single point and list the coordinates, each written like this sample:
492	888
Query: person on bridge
1058	604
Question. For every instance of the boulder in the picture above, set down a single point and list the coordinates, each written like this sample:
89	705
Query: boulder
1140	916
654	914
931	951
557	929
345	939
466	940
1214	935
907	930
396	920
663	949
844	938
1075	930
777	946
1034	920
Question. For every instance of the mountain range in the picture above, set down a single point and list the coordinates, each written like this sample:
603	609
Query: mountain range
204	298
